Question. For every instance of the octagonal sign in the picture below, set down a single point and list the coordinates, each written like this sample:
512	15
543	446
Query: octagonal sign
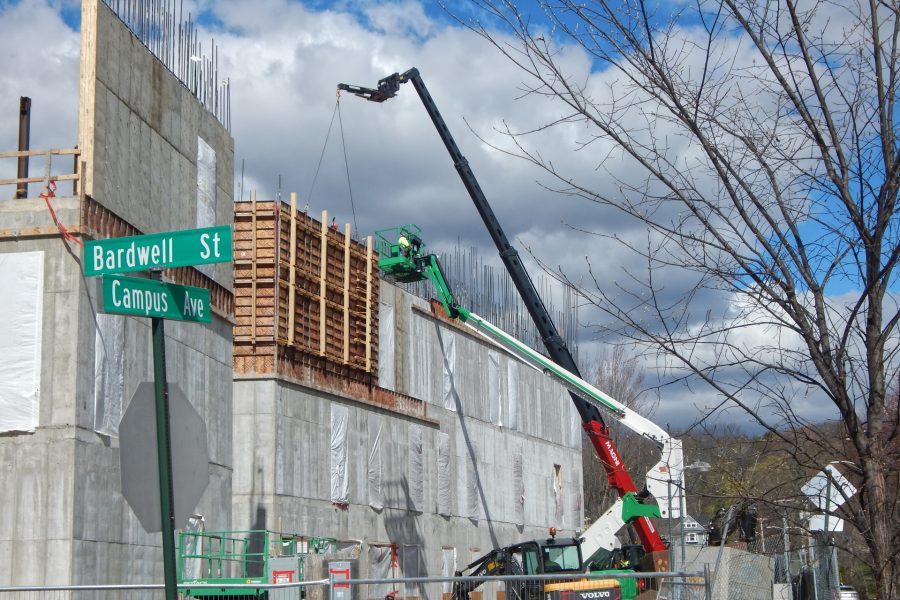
139	462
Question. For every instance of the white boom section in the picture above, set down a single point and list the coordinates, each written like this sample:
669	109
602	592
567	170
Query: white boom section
665	480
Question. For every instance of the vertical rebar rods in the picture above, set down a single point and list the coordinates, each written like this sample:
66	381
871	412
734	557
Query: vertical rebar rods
179	49
488	291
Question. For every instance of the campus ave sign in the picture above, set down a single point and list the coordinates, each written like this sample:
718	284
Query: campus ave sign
150	298
171	249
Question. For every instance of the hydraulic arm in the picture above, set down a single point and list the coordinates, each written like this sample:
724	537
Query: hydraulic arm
592	420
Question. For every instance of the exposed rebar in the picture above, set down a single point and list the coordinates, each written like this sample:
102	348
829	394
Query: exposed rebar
178	48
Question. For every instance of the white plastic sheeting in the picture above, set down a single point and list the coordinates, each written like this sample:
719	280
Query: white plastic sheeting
420	334
557	494
109	373
375	467
576	426
416	469
21	304
512	381
192	567
448	362
448	568
340	476
380	567
495	388
445	489
518	473
206	191
386	377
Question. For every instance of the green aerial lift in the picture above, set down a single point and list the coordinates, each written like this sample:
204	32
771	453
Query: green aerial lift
228	559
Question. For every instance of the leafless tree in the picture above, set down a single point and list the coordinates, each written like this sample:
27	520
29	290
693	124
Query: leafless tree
765	135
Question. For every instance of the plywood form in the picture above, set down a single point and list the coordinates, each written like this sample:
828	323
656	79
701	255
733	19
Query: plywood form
304	298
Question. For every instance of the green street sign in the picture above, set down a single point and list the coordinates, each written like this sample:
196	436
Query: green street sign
172	249
151	298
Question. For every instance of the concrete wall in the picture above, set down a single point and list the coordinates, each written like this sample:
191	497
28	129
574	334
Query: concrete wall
139	131
283	463
63	517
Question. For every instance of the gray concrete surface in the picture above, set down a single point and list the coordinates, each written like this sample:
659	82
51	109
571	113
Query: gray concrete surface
282	436
138	133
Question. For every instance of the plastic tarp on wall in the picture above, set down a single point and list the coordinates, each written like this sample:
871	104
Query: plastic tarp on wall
416	496
109	373
518	472
375	467
448	362
21	304
557	494
386	378
192	568
380	567
445	489
421	337
340	477
448	568
512	385
206	191
577	425
495	388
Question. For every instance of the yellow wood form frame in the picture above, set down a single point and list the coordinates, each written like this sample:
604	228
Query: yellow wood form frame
253	262
346	293
292	275
323	271
369	304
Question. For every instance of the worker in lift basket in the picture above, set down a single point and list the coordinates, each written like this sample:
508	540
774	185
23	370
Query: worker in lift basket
403	242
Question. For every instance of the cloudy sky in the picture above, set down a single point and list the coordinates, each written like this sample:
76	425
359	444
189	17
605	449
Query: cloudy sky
284	60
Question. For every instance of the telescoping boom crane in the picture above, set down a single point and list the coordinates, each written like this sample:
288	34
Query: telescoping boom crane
669	469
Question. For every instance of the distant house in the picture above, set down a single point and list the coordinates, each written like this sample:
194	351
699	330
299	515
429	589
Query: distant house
694	533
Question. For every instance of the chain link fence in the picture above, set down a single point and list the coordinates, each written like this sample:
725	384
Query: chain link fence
771	567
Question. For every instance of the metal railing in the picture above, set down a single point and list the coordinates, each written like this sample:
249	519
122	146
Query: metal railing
681	586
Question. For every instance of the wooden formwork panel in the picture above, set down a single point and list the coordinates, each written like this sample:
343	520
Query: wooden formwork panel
306	297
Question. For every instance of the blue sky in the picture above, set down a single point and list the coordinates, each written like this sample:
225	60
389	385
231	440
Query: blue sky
284	60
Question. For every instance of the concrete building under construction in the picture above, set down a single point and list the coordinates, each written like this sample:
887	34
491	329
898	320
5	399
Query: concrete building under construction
336	404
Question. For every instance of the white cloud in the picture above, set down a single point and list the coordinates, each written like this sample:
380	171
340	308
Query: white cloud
40	55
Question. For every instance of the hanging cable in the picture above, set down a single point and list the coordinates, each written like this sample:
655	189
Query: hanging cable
346	162
322	155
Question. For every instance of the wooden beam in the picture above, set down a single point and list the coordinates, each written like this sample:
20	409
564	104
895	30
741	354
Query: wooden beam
293	265
30	232
323	272
74	177
57	151
253	262
368	340
346	293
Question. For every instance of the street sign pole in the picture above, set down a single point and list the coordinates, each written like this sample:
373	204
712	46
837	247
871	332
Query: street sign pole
164	453
127	295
